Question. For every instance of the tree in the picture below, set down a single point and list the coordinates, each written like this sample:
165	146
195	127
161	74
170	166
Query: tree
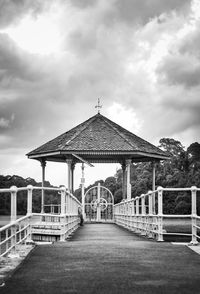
110	183
193	152
118	196
173	147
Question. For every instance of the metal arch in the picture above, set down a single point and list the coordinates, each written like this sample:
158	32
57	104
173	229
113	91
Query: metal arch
100	204
100	188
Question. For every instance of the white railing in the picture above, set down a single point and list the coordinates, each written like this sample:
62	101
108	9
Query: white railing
144	215
61	224
52	208
14	233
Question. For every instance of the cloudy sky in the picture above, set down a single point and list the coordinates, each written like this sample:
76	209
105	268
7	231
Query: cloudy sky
57	57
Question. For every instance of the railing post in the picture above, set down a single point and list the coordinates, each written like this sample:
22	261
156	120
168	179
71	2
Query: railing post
13	191
133	214
150	214
143	224
29	211
137	213
13	216
62	202
137	206
143	204
29	199
150	203
67	202
194	214
160	214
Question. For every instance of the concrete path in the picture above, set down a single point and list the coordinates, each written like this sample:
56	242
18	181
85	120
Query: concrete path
106	259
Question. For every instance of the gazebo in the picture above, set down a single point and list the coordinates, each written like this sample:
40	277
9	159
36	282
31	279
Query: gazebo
98	140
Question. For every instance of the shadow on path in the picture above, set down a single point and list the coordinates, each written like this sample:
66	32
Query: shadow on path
104	258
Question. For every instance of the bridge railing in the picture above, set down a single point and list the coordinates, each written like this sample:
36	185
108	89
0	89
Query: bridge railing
14	233
20	230
145	215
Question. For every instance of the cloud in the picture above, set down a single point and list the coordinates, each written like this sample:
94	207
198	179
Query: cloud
15	63
4	123
11	10
134	55
180	70
141	12
181	64
83	4
191	43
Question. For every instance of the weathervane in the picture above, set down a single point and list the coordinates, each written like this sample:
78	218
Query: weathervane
98	106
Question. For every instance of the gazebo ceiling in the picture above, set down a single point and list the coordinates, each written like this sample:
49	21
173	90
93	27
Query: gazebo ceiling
98	139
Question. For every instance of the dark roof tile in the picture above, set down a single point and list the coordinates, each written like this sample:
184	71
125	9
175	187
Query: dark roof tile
98	133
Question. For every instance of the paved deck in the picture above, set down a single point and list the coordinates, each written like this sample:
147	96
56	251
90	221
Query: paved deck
106	259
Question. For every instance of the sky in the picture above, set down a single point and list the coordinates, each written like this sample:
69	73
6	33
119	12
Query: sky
57	57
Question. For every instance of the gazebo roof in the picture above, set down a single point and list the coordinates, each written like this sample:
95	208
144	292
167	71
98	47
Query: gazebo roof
98	139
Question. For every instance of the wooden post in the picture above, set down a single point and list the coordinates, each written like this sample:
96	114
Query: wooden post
128	187
43	164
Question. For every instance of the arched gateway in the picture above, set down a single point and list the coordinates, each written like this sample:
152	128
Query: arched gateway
98	140
98	204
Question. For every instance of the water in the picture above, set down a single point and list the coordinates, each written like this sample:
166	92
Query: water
5	219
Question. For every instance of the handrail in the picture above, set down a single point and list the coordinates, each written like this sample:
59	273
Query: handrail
20	230
144	215
14	223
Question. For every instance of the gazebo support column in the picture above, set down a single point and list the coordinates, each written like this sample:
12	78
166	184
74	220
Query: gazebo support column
72	177
128	186
43	164
83	191
124	180
69	184
154	186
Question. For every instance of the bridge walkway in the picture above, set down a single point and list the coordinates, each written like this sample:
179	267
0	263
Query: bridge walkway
107	259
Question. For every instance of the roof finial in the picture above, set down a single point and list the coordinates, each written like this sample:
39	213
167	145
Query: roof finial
98	106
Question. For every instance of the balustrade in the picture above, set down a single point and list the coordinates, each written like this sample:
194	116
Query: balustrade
61	221
144	215
141	215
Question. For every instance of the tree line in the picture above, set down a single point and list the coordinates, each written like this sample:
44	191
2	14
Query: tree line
51	197
182	169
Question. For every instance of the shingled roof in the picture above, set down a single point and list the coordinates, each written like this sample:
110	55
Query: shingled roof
98	139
